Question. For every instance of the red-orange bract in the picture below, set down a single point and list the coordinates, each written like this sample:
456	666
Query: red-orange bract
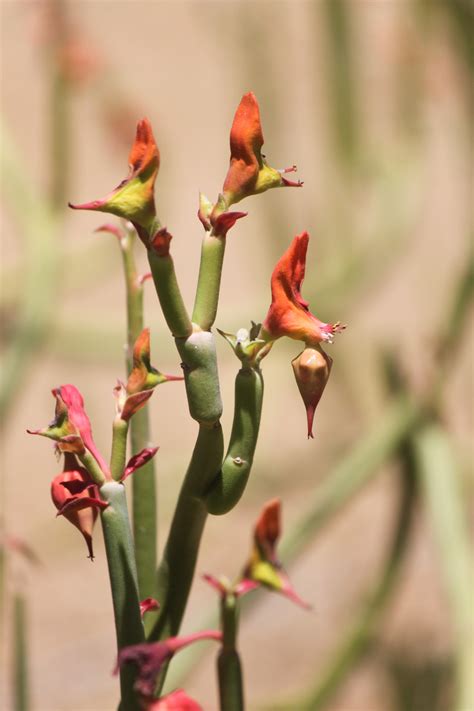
289	314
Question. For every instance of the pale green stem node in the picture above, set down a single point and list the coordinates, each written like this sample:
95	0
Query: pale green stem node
199	363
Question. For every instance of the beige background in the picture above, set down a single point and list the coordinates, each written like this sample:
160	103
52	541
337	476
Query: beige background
404	204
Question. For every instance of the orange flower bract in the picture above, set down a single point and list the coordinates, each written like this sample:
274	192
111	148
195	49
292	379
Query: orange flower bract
289	314
248	172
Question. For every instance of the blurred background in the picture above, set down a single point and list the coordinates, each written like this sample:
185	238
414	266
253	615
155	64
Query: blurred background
373	101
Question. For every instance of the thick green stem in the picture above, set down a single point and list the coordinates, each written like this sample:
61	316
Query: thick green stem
229	485
176	570
209	281
123	582
169	295
442	490
144	495
229	669
20	658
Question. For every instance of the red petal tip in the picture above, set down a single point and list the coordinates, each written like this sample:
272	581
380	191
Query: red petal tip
292	183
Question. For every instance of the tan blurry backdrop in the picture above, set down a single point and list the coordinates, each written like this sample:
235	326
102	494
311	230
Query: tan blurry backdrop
382	143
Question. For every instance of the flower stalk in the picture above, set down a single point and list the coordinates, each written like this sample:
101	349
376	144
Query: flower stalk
229	668
169	294
209	280
144	488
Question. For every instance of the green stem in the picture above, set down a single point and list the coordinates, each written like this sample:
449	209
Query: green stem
229	485
144	510
134	294
119	448
169	295
198	353
20	665
229	669
144	496
209	281
123	582
90	463
176	570
442	490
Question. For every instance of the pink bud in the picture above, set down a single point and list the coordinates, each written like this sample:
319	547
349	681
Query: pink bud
148	658
312	369
148	605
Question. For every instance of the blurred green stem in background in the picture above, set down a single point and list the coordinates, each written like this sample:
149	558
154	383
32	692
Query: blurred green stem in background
59	104
39	227
442	489
20	651
144	497
358	637
341	82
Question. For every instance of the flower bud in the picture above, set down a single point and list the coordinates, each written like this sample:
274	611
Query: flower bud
312	369
148	658
144	376
71	427
72	484
263	567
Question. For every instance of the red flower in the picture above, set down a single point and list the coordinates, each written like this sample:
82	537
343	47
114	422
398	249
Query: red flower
248	172
75	484
289	314
133	199
71	428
